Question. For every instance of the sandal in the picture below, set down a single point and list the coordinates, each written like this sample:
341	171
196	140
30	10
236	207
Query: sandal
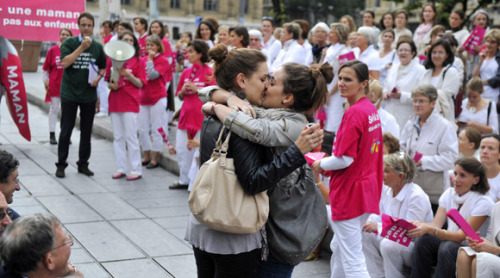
311	257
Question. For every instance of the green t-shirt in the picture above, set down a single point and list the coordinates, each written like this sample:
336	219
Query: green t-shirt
75	82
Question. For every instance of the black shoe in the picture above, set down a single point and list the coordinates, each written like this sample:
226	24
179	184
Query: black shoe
83	168
177	185
60	169
53	140
152	165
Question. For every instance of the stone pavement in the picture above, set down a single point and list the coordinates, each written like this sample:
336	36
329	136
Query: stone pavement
121	228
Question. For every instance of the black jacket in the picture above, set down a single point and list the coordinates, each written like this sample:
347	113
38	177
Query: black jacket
255	165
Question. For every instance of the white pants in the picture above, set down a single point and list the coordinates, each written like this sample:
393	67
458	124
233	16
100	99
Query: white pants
386	258
151	117
55	106
103	94
125	139
184	155
347	258
195	168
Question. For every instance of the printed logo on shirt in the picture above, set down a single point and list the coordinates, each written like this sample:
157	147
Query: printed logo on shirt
375	147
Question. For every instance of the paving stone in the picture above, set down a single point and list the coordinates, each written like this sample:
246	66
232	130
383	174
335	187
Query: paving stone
110	206
151	238
172	222
179	266
136	269
69	209
79	256
92	270
104	242
43	185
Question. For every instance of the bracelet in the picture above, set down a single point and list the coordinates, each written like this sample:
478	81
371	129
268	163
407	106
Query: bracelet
435	231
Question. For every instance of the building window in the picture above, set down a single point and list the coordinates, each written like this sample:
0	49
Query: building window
175	4
377	3
125	2
210	5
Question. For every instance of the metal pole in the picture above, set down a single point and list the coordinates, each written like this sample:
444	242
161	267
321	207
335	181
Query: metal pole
153	10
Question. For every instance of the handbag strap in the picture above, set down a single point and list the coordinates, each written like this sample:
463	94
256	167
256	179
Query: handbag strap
221	148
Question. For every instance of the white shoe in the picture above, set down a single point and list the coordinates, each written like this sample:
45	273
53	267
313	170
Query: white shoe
101	114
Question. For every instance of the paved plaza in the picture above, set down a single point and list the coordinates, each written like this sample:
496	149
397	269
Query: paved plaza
121	228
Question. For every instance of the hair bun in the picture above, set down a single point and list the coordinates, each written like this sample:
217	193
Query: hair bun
327	71
218	53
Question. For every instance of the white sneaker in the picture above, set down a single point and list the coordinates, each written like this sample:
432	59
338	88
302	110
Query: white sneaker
101	114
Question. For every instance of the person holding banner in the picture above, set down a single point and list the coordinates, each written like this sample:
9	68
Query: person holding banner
84	65
124	108
52	77
482	259
403	199
470	198
192	79
475	40
488	66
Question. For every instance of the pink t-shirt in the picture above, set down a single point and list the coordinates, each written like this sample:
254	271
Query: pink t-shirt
126	98
356	190
107	38
168	54
155	89
190	116
142	44
55	69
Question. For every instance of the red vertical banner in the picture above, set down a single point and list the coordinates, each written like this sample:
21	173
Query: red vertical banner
12	82
38	20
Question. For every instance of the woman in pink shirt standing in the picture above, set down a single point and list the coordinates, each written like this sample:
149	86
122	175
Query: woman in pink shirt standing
192	79
153	101
52	77
124	108
357	171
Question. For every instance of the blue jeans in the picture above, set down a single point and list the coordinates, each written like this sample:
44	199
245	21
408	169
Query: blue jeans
272	268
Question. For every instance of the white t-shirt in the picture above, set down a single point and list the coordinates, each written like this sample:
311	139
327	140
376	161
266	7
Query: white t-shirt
480	116
494	188
371	59
389	123
488	70
481	205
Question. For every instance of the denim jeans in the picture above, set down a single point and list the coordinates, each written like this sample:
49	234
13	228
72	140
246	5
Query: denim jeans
272	268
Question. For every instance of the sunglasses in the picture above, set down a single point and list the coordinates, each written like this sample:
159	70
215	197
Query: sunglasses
10	213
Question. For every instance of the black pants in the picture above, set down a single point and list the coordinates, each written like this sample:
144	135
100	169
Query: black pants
211	265
429	251
68	118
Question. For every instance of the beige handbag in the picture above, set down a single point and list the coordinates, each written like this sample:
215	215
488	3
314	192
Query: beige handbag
218	201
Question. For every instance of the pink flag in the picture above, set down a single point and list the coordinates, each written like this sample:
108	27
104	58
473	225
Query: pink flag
346	57
395	229
475	38
11	79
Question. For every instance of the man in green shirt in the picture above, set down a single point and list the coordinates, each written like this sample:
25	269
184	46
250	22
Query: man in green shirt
84	65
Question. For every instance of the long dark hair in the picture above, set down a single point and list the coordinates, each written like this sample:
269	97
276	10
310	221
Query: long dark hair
162	33
210	26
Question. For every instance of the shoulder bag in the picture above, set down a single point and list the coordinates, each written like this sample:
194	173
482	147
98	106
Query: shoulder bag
217	199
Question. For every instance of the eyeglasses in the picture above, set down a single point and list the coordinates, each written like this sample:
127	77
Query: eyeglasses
9	212
270	18
68	242
440	53
17	181
420	101
404	51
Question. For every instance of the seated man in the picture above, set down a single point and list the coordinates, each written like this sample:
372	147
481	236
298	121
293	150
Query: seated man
9	177
5	214
36	246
